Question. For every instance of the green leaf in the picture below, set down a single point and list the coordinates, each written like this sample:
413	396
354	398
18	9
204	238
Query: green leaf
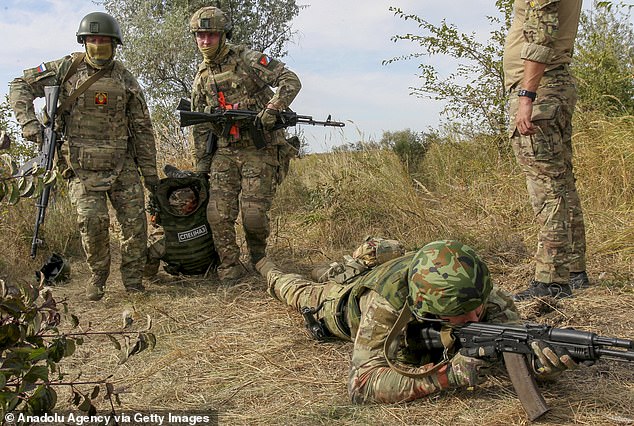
74	320
70	347
85	405
114	341
14	193
3	190
95	392
27	188
56	349
38	354
50	177
36	372
9	335
11	164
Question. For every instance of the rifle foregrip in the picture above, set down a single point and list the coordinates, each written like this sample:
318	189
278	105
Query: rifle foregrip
525	385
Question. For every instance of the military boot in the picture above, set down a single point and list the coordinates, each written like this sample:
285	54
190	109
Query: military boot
134	287
264	266
230	274
151	268
579	280
96	285
540	289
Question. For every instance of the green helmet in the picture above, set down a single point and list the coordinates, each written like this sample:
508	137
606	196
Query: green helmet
447	278
55	270
210	19
99	23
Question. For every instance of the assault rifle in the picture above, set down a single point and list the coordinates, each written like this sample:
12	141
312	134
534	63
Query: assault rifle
228	117
513	342
43	161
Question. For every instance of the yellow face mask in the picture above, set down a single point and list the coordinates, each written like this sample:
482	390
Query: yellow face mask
99	55
216	52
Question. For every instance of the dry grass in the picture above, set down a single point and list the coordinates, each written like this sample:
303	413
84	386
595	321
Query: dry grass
237	350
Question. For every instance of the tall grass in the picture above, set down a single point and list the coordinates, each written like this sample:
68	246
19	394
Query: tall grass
470	190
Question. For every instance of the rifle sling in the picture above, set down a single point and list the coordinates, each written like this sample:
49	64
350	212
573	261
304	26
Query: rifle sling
81	89
414	372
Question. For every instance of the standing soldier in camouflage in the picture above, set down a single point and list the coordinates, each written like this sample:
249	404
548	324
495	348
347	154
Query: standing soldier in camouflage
381	310
543	95
107	141
243	177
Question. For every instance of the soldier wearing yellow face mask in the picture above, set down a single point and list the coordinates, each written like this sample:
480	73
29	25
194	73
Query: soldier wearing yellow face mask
243	176
108	144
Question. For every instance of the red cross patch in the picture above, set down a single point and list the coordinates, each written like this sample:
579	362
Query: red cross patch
101	98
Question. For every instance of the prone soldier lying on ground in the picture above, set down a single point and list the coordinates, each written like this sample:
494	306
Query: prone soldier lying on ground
382	309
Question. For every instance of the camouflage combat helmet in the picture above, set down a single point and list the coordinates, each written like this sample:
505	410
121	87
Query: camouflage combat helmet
210	19
99	23
447	278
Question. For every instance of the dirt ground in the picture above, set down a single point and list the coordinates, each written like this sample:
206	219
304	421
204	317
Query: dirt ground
236	350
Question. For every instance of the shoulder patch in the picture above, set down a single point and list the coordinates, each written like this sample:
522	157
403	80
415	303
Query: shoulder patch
41	67
265	60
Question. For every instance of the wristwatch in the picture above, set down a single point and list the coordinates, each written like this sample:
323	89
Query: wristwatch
528	94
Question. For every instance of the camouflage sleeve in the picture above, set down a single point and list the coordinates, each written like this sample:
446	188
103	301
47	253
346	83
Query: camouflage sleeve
200	132
24	90
500	307
275	74
371	379
140	127
540	30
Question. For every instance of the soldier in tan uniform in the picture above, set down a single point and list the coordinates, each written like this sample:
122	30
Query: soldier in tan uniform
543	95
381	311
108	144
242	177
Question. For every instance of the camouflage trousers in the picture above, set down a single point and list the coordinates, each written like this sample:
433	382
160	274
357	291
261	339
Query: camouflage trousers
328	297
127	198
546	160
242	180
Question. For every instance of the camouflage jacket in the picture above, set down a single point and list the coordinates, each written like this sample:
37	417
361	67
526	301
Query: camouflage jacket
542	31
106	123
244	77
371	379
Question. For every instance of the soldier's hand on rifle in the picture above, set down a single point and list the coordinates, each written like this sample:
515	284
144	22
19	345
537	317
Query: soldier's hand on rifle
549	362
150	183
33	131
267	118
467	371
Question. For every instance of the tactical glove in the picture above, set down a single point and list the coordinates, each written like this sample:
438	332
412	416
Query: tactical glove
32	131
150	183
548	363
267	118
467	371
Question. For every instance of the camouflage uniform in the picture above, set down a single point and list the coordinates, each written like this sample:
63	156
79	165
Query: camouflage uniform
243	178
366	309
108	138
543	31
